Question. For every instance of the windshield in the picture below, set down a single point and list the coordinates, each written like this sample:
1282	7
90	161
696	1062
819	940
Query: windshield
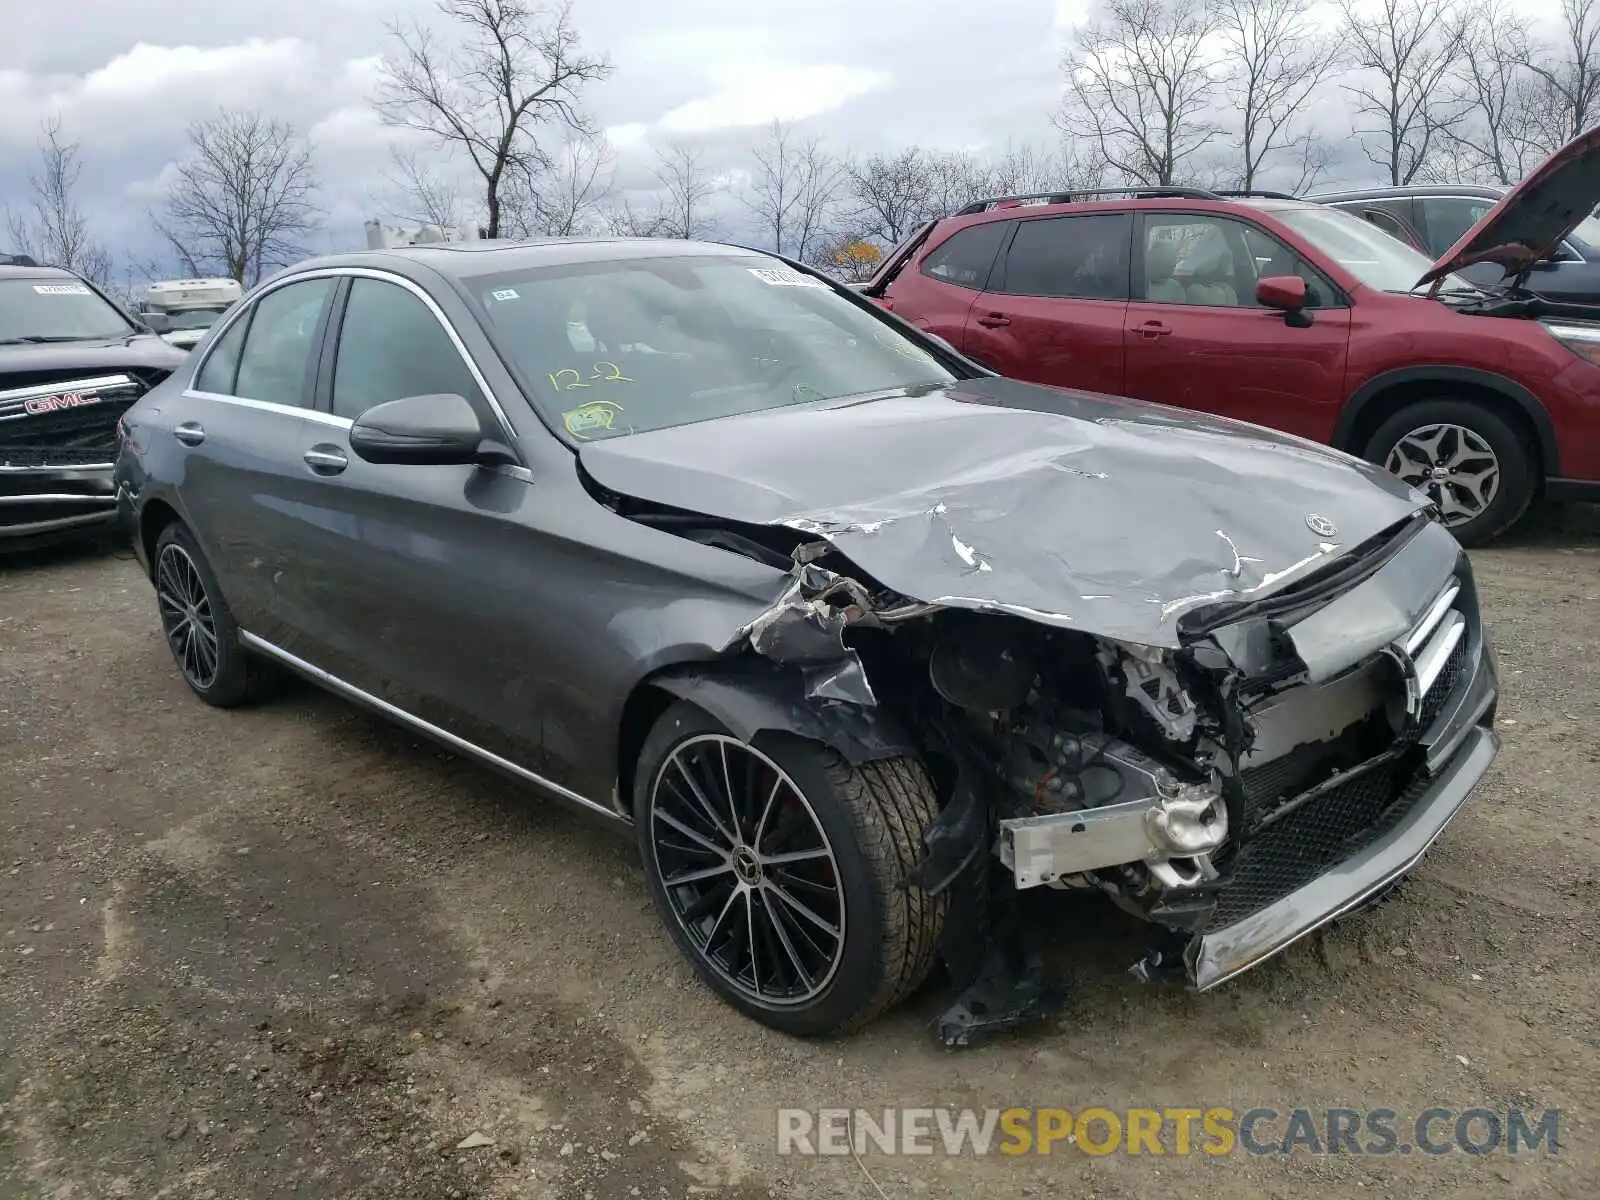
56	310
623	347
1371	255
195	318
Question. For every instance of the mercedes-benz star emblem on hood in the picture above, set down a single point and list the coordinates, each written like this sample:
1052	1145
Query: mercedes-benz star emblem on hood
1320	525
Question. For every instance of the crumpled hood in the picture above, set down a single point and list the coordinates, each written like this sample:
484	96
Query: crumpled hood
136	351
1530	220
1083	511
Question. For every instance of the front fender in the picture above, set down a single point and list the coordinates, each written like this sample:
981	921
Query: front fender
752	696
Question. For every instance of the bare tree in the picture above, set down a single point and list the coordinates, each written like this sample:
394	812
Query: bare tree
52	228
1140	87
1572	73
565	199
418	193
890	193
793	190
1507	129
1277	61
516	68
242	200
689	188
1407	49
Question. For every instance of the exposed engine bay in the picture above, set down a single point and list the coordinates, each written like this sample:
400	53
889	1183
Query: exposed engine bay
1241	764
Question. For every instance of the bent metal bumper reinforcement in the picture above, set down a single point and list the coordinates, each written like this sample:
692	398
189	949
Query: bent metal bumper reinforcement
1220	954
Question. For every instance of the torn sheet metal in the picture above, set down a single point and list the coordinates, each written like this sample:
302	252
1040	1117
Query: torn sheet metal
1071	509
805	628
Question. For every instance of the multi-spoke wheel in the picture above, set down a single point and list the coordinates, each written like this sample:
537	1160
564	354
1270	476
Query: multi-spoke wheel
1452	464
198	625
777	867
186	616
1465	458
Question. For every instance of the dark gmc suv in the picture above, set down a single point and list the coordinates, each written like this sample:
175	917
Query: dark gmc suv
71	363
1296	316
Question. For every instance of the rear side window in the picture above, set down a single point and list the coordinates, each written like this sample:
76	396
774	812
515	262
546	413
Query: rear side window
278	346
1083	257
222	364
965	258
1448	217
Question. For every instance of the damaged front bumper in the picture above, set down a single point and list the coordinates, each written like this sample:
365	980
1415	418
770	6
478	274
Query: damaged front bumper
1219	954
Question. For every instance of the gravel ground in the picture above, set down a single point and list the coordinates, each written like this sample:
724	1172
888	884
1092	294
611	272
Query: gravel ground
295	951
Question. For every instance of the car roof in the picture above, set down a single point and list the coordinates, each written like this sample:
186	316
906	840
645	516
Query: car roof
1474	190
463	260
13	272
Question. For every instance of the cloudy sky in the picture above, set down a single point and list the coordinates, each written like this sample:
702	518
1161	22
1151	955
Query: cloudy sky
865	74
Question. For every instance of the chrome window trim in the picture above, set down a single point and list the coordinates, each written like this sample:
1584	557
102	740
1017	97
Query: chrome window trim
242	309
349	690
272	406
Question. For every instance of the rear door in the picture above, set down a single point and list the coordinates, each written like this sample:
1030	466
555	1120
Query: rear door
238	428
1053	311
1565	276
1197	338
936	291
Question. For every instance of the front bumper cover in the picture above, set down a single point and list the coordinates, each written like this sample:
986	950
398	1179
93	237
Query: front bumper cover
1220	954
55	500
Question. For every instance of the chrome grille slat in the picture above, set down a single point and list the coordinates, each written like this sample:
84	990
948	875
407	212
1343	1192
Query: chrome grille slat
1441	605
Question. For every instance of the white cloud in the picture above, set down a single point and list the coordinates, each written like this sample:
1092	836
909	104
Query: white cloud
754	93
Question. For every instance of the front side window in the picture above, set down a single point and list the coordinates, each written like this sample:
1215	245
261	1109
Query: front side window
1272	257
392	346
276	361
626	346
56	309
1082	257
1198	259
965	257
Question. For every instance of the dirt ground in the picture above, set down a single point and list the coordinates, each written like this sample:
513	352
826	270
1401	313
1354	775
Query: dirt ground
294	951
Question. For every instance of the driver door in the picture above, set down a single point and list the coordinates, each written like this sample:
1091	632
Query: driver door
399	561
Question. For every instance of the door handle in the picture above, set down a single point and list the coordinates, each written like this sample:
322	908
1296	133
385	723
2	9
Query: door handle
994	320
326	460
1154	329
189	433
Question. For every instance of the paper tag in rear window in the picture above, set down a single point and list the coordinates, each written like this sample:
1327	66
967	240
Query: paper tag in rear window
785	277
61	289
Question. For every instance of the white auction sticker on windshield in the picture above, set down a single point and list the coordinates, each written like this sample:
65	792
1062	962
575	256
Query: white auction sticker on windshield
61	289
505	294
785	277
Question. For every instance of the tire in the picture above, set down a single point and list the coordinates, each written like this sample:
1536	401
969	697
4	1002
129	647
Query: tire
868	820
211	660
1476	429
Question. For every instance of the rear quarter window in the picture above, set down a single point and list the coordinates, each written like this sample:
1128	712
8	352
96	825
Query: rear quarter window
966	257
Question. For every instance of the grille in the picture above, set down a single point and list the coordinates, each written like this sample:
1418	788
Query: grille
91	427
1445	685
1300	847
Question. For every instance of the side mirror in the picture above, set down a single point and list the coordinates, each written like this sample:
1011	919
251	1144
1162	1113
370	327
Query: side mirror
436	430
157	322
1287	294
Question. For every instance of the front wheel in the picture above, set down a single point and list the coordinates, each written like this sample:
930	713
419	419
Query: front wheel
1466	457
777	869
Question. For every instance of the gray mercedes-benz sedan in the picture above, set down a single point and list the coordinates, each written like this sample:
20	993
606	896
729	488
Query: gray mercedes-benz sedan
862	641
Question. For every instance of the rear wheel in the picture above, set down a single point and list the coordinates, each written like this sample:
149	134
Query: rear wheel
1466	457
199	627
777	869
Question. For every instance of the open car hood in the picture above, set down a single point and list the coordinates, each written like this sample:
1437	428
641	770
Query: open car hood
1530	220
1077	510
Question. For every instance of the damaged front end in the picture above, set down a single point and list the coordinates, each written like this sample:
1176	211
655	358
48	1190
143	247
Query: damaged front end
1288	760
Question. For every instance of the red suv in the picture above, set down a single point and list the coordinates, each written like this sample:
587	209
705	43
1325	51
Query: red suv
1293	315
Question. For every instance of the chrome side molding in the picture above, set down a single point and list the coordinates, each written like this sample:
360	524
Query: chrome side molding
350	691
